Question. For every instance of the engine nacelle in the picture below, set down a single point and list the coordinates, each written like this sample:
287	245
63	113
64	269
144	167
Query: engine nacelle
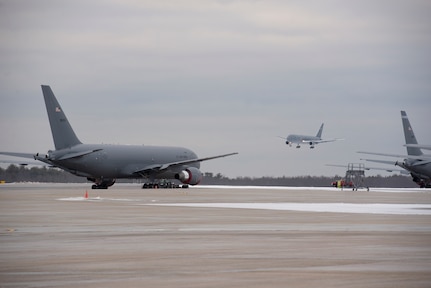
190	176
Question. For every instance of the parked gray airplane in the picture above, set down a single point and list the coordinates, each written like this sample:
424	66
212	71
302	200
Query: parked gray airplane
418	164
306	139
103	164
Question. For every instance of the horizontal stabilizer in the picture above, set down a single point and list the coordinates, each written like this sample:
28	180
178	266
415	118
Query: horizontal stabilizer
16	154
24	162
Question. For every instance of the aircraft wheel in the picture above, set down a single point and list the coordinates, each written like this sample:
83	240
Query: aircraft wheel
94	186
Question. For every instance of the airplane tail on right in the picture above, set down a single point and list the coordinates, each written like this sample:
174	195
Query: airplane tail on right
410	136
62	132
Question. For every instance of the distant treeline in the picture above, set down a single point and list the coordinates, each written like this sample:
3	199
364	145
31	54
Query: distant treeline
16	173
394	181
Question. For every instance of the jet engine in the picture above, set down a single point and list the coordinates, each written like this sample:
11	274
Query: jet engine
190	176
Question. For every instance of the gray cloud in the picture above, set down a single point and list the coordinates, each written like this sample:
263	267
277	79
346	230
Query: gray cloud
220	76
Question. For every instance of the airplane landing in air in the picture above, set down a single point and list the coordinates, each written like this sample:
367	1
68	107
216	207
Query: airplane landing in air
307	139
103	164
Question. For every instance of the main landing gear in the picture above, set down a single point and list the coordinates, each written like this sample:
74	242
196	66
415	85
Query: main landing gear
163	184
102	184
94	186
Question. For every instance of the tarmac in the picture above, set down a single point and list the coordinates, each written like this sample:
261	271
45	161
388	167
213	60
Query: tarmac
52	236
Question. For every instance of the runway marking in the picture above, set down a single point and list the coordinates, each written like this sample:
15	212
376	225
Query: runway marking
394	209
365	208
79	199
98	198
291	188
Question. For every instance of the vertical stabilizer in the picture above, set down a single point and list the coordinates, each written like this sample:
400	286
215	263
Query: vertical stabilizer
319	134
410	136
62	132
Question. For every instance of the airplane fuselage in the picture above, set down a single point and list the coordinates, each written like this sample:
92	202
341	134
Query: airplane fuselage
417	168
302	139
118	161
296	138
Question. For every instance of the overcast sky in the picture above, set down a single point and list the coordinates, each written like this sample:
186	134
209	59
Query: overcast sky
220	76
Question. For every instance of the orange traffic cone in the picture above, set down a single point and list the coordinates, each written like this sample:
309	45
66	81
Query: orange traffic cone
86	194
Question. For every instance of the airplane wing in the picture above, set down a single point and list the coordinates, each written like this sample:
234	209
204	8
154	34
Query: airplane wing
381	161
402	171
423	162
322	141
185	162
161	167
421	157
